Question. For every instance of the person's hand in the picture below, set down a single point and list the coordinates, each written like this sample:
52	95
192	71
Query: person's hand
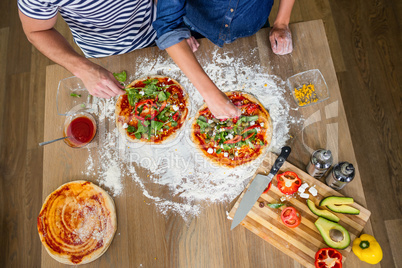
221	107
281	39
193	43
100	82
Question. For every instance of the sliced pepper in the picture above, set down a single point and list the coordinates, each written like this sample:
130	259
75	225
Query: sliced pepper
288	182
250	128
236	139
249	136
204	111
267	189
328	258
367	249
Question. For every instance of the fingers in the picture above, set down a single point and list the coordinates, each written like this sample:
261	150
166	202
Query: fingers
114	87
193	43
281	41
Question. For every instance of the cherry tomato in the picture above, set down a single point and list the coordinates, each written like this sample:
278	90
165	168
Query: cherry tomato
288	182
291	217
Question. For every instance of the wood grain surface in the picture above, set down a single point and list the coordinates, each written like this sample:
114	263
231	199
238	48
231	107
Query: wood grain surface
363	35
300	243
170	241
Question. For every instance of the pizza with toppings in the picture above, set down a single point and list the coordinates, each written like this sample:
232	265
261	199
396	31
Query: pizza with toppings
152	110
77	222
237	141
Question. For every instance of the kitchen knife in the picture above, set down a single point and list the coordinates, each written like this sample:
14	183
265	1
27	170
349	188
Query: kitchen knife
257	187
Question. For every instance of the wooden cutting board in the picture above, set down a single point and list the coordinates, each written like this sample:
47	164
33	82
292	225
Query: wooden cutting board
300	243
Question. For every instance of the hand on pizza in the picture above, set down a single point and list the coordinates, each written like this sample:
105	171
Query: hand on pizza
233	142
152	110
221	106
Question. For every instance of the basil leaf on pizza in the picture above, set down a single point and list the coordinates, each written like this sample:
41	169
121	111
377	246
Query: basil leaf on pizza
152	110
237	141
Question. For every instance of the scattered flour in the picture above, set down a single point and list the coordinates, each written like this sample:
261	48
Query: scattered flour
178	178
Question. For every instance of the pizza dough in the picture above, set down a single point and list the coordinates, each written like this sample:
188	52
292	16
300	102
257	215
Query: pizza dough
77	223
152	117
233	142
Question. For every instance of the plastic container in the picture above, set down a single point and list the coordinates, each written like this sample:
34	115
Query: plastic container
313	77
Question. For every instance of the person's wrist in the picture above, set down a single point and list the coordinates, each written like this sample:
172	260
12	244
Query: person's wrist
80	66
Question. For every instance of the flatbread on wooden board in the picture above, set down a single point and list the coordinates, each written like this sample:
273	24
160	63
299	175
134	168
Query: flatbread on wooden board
77	223
242	152
124	115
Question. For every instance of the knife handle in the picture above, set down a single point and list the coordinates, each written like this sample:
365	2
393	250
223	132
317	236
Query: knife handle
281	159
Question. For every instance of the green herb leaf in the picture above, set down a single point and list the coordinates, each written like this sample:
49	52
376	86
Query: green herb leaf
121	77
162	96
156	125
252	118
275	205
138	135
218	151
75	95
131	129
174	124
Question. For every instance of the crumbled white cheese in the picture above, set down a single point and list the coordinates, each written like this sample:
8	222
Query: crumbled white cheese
301	189
125	125
252	123
230	136
210	150
210	121
283	198
142	93
304	185
304	195
261	124
225	154
313	191
222	145
236	153
175	107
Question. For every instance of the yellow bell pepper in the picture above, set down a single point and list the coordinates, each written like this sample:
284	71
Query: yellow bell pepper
367	249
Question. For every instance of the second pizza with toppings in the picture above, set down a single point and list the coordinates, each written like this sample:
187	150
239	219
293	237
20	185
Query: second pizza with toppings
237	141
152	110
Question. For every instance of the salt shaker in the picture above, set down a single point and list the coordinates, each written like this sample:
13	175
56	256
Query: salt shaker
340	175
321	161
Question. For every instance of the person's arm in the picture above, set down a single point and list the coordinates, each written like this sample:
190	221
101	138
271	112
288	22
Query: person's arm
280	35
172	34
218	103
99	81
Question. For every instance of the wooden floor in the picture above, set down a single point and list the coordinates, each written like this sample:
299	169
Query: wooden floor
365	38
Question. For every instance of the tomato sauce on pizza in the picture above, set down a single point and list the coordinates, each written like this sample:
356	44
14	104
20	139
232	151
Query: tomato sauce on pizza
152	110
237	141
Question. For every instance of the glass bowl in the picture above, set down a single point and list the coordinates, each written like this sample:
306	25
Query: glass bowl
81	128
71	95
308	87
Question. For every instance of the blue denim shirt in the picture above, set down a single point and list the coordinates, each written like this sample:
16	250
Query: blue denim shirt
221	21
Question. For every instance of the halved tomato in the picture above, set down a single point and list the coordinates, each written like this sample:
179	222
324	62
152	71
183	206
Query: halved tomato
291	217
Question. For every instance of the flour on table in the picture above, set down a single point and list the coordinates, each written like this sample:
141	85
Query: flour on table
178	178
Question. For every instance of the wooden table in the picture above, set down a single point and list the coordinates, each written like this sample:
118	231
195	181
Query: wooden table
147	239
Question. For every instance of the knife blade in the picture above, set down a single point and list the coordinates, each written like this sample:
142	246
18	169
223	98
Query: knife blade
257	187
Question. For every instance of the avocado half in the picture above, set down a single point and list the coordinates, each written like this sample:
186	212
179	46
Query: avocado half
321	212
334	234
340	204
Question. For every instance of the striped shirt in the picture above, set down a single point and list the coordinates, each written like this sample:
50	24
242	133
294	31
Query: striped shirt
100	28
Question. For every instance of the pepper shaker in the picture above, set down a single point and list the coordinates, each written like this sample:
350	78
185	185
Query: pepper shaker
320	162
340	175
